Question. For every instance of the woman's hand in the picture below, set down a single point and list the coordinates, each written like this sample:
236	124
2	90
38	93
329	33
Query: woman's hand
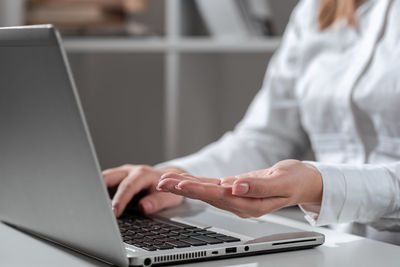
252	194
131	179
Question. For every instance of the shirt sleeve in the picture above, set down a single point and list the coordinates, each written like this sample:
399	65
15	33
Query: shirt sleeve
270	130
366	193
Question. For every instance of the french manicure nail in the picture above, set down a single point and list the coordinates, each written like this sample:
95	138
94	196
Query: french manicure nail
180	188
160	187
241	189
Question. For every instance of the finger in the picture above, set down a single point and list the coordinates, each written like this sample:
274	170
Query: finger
218	196
222	198
113	177
216	181
228	181
257	173
158	201
203	191
186	176
130	186
167	184
263	187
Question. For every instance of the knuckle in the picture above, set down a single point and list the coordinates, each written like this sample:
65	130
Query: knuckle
168	174
126	166
127	186
117	204
142	169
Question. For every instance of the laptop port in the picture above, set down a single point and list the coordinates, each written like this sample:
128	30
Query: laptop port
147	262
214	252
230	250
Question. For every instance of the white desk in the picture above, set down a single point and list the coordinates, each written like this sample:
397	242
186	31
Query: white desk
18	249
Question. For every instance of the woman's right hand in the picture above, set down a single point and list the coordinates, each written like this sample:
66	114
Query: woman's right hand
131	179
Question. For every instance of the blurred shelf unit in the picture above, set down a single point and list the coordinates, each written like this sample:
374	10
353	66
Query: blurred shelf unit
149	99
154	44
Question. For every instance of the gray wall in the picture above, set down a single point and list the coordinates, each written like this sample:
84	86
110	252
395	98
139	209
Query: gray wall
122	96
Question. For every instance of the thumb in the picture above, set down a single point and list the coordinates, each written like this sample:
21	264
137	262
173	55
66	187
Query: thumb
258	187
157	201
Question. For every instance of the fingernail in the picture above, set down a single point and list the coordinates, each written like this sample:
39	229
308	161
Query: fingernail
160	187
147	207
240	189
178	187
165	175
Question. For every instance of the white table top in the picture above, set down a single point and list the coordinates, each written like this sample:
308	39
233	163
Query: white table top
339	249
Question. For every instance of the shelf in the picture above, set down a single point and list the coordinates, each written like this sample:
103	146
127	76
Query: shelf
114	44
186	45
214	45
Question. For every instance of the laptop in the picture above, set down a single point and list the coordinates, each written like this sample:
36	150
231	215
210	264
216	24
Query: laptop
51	184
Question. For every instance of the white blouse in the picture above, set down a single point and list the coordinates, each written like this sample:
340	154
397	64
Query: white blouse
336	92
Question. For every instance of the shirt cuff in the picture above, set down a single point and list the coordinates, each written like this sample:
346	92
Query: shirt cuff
361	193
333	196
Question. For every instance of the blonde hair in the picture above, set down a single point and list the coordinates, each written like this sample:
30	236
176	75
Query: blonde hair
333	10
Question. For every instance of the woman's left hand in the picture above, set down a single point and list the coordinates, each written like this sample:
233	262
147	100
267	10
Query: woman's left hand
252	194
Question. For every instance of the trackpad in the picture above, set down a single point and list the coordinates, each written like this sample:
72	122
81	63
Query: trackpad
248	227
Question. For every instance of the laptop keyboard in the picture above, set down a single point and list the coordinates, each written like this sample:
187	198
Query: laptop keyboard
157	234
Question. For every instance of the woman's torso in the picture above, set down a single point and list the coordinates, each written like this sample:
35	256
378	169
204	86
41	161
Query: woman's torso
349	90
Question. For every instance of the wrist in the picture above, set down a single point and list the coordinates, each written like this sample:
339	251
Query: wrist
314	185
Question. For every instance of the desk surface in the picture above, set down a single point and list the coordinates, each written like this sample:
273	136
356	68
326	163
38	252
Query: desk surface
339	249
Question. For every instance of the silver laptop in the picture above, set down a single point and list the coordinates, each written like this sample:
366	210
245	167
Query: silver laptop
51	185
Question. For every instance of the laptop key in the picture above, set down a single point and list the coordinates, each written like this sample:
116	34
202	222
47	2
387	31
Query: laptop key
215	235
193	242
228	238
138	235
140	240
164	246
166	240
209	240
154	237
192	234
196	230
178	244
149	233
173	234
190	227
205	232
130	242
172	228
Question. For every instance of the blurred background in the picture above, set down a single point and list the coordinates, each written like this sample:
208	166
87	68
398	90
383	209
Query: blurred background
160	78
